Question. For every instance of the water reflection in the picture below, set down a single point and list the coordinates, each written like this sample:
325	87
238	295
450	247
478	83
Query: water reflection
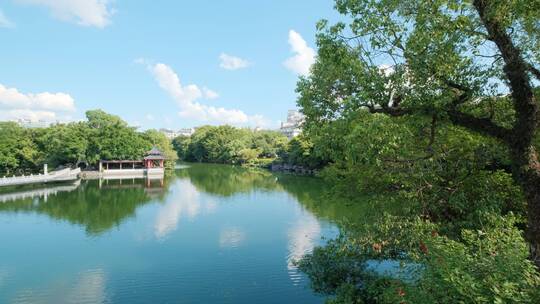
205	234
231	237
96	205
14	193
223	180
184	201
88	288
100	205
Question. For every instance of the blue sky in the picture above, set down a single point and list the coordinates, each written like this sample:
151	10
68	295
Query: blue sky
156	63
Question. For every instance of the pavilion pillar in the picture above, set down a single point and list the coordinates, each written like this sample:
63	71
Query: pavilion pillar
120	166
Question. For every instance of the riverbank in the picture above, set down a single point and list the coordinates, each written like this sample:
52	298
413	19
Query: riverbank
295	169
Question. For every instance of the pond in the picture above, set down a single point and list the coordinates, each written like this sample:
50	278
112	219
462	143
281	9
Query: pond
204	234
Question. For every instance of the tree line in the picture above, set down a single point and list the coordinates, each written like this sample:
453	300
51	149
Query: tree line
101	137
231	145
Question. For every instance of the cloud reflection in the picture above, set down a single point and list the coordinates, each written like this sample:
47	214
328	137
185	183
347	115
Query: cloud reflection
185	202
231	237
89	288
303	237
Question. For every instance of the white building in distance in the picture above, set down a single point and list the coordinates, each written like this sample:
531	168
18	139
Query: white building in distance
32	124
293	126
171	134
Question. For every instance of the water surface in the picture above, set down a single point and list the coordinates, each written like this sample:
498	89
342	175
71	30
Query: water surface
205	234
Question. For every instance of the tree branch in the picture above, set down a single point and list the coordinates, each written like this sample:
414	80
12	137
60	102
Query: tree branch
534	71
481	125
516	70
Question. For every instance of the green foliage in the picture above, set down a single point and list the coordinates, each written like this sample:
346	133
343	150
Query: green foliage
181	146
64	144
248	155
102	136
488	265
269	143
417	130
301	151
230	145
111	138
17	149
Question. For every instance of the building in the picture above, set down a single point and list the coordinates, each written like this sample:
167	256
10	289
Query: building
293	126
32	124
151	166
171	134
186	131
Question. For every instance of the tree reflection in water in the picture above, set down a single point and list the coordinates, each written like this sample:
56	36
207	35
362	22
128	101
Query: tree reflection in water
99	205
96	205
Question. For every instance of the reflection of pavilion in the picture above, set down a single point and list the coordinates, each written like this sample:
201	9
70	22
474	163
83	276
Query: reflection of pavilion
131	183
153	187
151	166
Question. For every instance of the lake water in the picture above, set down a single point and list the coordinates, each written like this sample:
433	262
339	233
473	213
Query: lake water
205	234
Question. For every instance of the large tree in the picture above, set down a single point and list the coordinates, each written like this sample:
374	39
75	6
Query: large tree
109	137
471	63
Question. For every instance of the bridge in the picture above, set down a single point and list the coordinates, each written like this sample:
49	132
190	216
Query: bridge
67	174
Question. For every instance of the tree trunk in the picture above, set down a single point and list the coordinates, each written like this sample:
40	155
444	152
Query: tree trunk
526	168
527	173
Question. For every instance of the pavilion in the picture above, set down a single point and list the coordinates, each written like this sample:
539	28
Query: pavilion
154	158
153	164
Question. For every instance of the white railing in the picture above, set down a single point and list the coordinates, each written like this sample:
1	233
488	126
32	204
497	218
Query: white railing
64	174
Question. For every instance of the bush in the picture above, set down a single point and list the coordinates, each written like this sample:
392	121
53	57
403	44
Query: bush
484	266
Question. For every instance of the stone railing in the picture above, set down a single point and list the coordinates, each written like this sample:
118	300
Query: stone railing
61	175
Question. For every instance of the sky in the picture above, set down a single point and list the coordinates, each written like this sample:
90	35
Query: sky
156	64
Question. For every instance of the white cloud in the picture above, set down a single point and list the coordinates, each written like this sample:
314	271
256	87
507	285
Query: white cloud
31	115
150	117
186	97
5	22
41	106
304	55
209	94
11	98
229	62
84	12
169	81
